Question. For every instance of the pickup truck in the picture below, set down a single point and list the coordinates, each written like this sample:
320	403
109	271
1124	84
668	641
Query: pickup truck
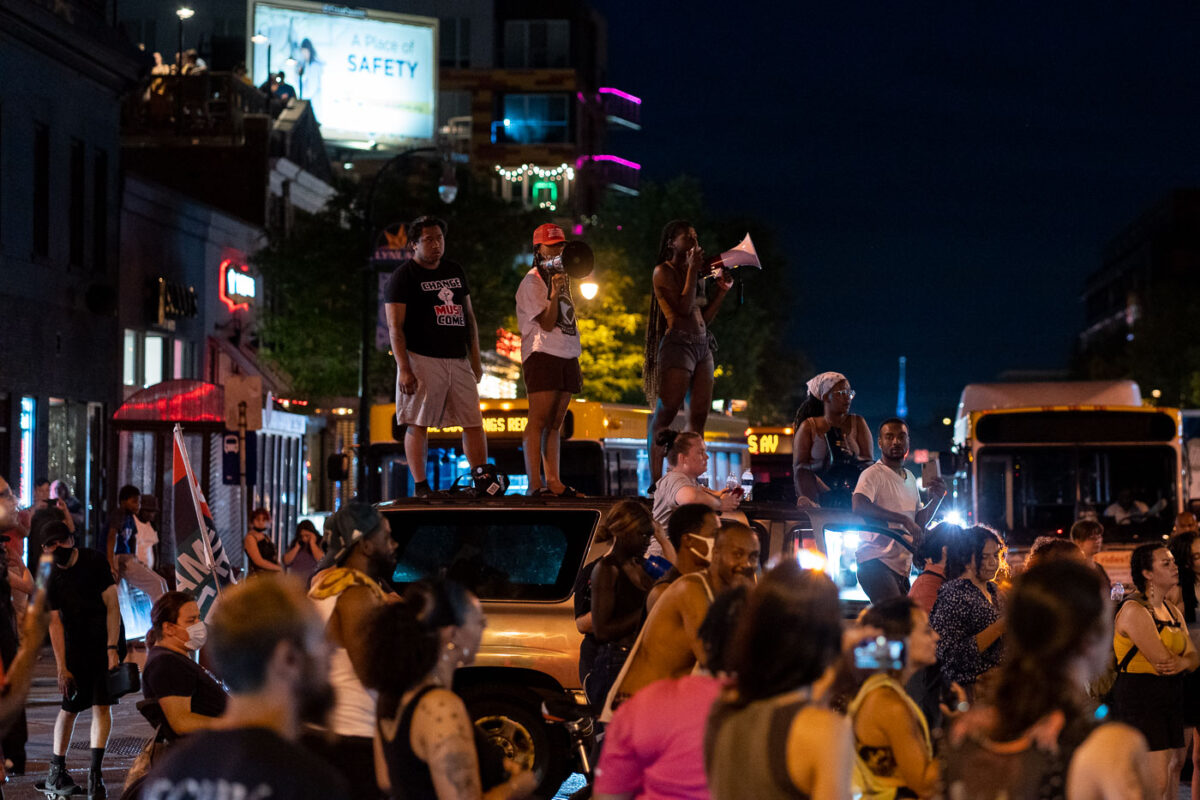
521	556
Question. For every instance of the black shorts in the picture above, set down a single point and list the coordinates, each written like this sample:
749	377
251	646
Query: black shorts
91	683
1154	705
547	373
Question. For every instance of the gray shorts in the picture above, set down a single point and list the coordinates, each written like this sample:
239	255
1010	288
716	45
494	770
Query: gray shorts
687	351
446	394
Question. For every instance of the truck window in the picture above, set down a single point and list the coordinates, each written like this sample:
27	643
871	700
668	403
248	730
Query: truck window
500	554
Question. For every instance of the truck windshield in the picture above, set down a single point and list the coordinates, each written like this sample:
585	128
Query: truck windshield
1035	491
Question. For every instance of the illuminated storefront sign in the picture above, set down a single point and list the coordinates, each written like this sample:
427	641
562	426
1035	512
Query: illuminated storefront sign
238	287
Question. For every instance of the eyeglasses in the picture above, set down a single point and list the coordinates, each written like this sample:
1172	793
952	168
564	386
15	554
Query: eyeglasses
846	393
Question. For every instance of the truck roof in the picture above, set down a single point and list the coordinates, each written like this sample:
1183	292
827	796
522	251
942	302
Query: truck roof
988	396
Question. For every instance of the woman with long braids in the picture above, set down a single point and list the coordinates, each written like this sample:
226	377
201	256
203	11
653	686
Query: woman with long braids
425	745
1041	738
679	347
1185	548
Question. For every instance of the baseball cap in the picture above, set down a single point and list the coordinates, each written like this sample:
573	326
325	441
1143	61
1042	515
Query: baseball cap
548	234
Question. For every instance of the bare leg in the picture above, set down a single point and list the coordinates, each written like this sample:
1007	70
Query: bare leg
64	726
101	725
554	441
673	387
1160	772
541	407
475	445
1195	749
415	443
700	398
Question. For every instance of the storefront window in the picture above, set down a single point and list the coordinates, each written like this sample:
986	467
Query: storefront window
131	362
153	360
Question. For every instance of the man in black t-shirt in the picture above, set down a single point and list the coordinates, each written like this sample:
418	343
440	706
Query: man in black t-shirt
436	345
269	646
85	629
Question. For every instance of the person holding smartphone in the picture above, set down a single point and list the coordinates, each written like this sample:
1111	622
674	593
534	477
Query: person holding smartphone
893	749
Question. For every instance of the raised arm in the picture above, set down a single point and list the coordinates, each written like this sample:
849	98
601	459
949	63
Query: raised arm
724	282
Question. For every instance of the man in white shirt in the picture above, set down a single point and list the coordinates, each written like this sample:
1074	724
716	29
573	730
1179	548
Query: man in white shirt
1126	509
887	495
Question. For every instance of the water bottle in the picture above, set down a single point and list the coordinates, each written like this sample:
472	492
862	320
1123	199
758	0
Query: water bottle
1118	592
732	482
747	484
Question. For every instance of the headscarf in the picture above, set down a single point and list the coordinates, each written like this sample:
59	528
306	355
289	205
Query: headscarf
820	385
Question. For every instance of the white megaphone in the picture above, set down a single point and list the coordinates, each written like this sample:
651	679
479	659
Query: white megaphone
743	255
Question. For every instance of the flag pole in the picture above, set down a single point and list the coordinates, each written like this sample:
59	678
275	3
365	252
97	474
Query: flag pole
210	561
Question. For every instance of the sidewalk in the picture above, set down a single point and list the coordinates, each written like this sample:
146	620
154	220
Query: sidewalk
129	733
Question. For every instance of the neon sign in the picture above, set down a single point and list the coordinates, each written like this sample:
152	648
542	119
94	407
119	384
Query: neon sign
764	444
238	288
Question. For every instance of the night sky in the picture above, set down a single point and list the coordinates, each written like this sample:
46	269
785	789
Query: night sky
945	178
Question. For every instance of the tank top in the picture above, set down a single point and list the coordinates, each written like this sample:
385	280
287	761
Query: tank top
876	775
841	464
267	551
745	749
353	712
410	776
1171	632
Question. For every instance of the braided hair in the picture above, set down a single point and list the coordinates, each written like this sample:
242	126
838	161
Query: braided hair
656	322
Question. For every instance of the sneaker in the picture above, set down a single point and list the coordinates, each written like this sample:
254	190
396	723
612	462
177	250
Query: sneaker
424	492
96	789
59	782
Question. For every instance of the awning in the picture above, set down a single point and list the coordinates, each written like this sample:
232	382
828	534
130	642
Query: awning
175	401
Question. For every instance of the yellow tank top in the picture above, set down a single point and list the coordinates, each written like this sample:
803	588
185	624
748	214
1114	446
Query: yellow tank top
1172	633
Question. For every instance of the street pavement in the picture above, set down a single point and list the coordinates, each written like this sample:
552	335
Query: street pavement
129	734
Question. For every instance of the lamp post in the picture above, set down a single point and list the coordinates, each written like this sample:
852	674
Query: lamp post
447	191
183	12
259	38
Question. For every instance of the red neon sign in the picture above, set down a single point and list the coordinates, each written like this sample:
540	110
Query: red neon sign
236	285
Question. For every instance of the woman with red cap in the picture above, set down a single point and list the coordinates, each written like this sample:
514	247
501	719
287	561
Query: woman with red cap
549	358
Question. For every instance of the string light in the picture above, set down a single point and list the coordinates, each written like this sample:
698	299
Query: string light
518	174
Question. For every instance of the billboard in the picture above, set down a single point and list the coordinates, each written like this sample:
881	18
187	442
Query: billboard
371	76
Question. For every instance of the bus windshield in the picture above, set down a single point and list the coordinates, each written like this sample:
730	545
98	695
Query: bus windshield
1032	491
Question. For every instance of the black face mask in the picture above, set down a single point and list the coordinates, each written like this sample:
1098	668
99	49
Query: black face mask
62	555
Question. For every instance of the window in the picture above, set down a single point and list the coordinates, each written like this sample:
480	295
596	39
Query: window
41	190
76	207
181	361
535	119
130	359
455	45
100	211
537	44
152	350
451	105
499	555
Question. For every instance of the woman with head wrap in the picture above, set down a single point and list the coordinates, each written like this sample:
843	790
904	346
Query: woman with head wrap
831	445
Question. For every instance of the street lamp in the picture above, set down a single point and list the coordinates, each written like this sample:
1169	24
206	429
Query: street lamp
447	191
589	289
259	38
183	12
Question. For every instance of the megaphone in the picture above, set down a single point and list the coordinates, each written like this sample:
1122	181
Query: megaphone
743	255
578	260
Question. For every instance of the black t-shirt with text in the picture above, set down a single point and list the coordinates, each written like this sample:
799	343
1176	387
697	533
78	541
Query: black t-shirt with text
77	594
435	319
171	674
248	762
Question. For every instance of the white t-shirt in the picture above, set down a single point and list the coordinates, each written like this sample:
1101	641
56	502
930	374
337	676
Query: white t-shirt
881	485
1123	517
563	339
147	537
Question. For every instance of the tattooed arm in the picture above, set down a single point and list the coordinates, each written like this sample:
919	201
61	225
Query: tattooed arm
442	736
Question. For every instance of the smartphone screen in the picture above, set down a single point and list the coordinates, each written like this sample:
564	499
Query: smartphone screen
880	653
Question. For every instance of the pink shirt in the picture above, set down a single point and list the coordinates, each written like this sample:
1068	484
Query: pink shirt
654	747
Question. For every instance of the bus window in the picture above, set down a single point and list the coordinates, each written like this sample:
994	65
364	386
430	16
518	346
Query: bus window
721	463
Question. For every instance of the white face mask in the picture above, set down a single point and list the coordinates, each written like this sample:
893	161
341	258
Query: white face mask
197	635
708	547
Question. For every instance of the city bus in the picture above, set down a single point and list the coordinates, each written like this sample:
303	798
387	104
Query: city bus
603	449
1032	458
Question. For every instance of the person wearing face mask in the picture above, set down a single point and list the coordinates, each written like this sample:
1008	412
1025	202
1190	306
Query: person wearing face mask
262	556
346	596
669	645
426	747
190	698
691	530
268	645
550	353
85	632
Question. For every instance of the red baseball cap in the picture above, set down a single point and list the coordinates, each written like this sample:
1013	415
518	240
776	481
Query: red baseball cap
548	234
